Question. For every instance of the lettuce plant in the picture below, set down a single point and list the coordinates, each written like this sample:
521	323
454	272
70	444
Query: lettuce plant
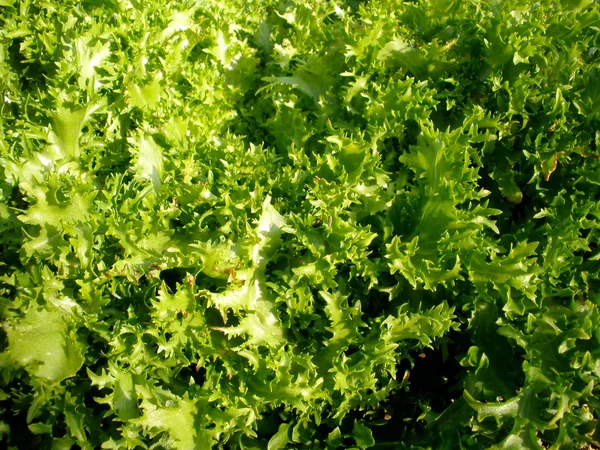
299	224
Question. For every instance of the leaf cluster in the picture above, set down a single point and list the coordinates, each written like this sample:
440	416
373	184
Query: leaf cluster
299	224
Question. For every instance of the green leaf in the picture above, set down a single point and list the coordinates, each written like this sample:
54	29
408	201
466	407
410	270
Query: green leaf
498	410
43	343
400	53
146	96
75	421
178	422
362	435
66	128
149	160
334	439
281	439
40	428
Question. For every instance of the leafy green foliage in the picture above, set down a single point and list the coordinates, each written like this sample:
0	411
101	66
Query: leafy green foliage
294	224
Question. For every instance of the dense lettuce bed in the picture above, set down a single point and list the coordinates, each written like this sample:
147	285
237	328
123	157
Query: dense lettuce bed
299	224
